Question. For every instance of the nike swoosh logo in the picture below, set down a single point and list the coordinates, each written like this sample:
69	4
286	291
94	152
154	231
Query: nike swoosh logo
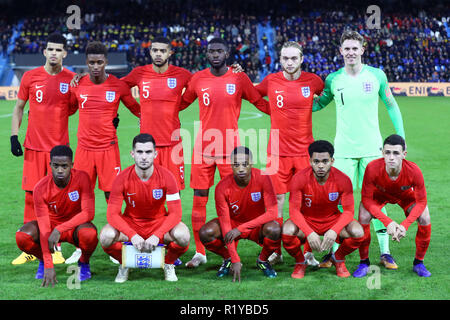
340	89
276	91
308	195
231	203
143	82
130	194
37	87
204	89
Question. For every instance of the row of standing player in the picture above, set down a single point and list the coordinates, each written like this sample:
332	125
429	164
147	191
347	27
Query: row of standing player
222	102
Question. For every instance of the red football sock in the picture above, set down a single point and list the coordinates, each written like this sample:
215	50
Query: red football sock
26	244
423	237
28	212
198	220
364	247
292	245
87	241
280	221
115	251
217	246
269	246
306	247
348	246
173	252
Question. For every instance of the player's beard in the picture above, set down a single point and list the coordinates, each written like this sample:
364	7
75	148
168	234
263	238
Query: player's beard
161	64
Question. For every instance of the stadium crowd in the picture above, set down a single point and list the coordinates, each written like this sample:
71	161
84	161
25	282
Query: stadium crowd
408	47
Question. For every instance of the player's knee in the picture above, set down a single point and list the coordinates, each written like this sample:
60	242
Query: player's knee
288	228
87	235
206	233
107	236
181	235
31	228
424	218
357	231
272	230
364	215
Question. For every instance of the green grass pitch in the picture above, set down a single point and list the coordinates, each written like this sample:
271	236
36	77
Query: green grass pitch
426	124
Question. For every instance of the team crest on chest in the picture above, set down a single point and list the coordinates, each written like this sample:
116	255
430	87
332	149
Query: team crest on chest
157	194
306	91
63	87
74	195
231	88
332	196
367	87
110	96
256	196
171	83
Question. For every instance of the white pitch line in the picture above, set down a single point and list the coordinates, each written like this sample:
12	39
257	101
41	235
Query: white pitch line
6	115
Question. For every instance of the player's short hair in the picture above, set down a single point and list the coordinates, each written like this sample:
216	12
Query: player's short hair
352	35
160	39
292	44
218	40
96	47
395	139
61	151
143	138
321	146
241	150
57	38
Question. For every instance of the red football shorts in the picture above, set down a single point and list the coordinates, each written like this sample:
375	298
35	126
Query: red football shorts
171	157
202	174
146	229
36	165
253	235
405	203
321	228
103	164
287	167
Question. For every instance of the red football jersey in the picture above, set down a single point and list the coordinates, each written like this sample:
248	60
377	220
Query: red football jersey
144	201
379	188
291	111
245	208
64	209
220	100
49	99
97	105
318	204
160	97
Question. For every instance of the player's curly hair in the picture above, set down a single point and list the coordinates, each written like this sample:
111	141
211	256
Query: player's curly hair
320	146
96	47
61	151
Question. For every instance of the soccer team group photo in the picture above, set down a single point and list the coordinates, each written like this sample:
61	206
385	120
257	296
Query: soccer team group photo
210	150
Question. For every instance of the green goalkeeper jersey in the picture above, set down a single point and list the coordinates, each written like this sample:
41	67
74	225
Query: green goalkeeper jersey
356	97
